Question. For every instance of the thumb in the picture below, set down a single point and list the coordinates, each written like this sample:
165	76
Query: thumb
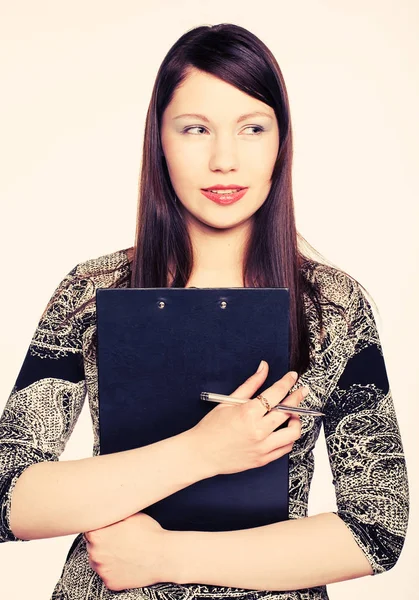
253	383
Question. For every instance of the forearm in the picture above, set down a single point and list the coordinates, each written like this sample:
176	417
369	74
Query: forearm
289	555
61	498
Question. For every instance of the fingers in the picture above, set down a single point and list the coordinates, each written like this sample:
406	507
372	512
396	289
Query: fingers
253	383
273	419
293	399
281	442
280	388
275	394
278	453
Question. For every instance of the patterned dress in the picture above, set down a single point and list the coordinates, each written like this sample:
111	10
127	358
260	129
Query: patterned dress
347	380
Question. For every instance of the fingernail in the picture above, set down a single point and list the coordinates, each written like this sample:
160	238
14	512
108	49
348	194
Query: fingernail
294	374
260	367
305	391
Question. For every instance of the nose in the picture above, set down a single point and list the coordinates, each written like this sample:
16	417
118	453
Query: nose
224	156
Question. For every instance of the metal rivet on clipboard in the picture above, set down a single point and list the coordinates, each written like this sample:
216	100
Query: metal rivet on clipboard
223	304
161	304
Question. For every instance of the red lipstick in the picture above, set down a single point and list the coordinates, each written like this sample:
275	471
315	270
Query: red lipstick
231	186
228	197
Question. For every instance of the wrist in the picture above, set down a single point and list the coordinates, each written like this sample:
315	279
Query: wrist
175	562
203	465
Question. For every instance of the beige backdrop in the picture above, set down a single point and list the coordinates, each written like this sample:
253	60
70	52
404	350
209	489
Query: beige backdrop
76	81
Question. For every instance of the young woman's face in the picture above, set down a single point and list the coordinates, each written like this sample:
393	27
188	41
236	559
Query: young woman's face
215	145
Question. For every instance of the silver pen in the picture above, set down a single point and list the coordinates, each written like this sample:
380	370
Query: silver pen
210	397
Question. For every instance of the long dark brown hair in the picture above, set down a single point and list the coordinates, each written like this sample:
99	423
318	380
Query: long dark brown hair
272	257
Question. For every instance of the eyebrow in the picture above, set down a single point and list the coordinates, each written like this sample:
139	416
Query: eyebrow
239	120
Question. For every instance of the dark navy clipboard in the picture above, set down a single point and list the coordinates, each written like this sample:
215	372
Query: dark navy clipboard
158	349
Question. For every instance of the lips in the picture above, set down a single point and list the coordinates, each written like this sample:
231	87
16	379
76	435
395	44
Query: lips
231	186
224	199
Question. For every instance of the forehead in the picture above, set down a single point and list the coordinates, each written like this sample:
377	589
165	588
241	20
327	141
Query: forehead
204	93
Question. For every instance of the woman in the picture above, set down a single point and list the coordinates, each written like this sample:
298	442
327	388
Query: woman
218	116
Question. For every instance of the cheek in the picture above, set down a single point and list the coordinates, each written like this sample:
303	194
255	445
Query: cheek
182	162
259	159
260	173
264	168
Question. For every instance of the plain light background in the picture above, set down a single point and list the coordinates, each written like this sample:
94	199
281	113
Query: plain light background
76	81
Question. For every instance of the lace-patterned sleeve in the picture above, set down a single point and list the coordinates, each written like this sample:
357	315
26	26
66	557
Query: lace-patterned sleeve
364	445
47	397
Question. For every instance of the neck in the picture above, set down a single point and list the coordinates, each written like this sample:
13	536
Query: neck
218	255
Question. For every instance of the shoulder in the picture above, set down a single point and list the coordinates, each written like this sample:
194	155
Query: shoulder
72	307
332	286
105	270
77	290
338	310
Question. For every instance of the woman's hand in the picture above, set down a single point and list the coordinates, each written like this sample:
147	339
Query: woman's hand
236	438
129	553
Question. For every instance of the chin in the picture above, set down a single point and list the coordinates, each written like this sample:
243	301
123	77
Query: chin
231	224
222	220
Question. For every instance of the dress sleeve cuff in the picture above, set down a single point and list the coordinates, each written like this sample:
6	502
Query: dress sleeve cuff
6	534
374	546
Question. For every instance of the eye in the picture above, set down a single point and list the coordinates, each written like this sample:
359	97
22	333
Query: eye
257	127
260	129
187	129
